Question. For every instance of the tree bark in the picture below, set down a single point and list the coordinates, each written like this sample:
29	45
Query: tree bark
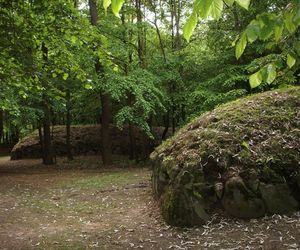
48	153
141	44
127	37
41	141
1	124
105	99
68	124
167	125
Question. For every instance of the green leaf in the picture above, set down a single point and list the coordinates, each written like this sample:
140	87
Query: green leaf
216	9
266	22
54	75
296	18
245	145
255	79
229	2
290	60
88	86
116	6
271	73
65	76
189	26
243	3
278	30
73	39
297	48
253	31
106	4
203	7
241	45
288	21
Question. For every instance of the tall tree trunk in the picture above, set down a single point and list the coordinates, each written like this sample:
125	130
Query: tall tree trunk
105	130
141	34
127	37
1	124
48	153
41	141
141	55
154	5
167	125
105	99
68	124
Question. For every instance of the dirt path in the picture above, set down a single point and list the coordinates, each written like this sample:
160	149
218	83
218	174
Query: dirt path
80	206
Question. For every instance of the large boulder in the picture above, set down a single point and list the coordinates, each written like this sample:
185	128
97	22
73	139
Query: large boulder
242	158
85	139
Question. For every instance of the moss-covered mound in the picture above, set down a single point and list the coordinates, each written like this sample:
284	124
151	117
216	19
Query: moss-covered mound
84	140
243	158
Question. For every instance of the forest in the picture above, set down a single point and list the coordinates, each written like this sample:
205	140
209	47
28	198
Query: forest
171	114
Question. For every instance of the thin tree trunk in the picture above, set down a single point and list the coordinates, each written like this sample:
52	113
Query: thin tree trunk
167	125
41	141
1	124
105	130
105	99
237	21
141	47
141	55
158	33
48	154
68	124
131	131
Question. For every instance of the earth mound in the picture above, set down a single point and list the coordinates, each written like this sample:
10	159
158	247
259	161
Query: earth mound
85	140
242	158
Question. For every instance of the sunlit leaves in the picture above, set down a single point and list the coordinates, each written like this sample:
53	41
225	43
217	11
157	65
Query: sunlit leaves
271	73
229	2
216	9
189	26
241	45
289	22
203	8
106	4
65	76
88	86
255	79
278	30
243	3
116	6
290	60
209	8
266	74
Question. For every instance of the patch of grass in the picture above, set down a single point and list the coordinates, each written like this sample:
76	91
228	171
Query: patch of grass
103	181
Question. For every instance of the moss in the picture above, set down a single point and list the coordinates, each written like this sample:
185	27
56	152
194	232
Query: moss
257	134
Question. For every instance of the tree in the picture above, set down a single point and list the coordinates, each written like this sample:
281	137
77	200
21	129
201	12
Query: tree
279	28
105	98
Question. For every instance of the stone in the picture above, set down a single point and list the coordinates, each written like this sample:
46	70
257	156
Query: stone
278	198
243	158
240	202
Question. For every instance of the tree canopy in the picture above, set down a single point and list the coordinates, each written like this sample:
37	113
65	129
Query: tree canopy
137	63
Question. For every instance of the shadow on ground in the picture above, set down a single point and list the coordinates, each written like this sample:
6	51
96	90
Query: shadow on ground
81	205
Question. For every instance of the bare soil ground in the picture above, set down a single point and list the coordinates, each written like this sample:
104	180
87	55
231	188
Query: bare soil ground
80	205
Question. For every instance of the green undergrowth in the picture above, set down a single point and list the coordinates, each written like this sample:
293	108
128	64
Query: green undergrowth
103	181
